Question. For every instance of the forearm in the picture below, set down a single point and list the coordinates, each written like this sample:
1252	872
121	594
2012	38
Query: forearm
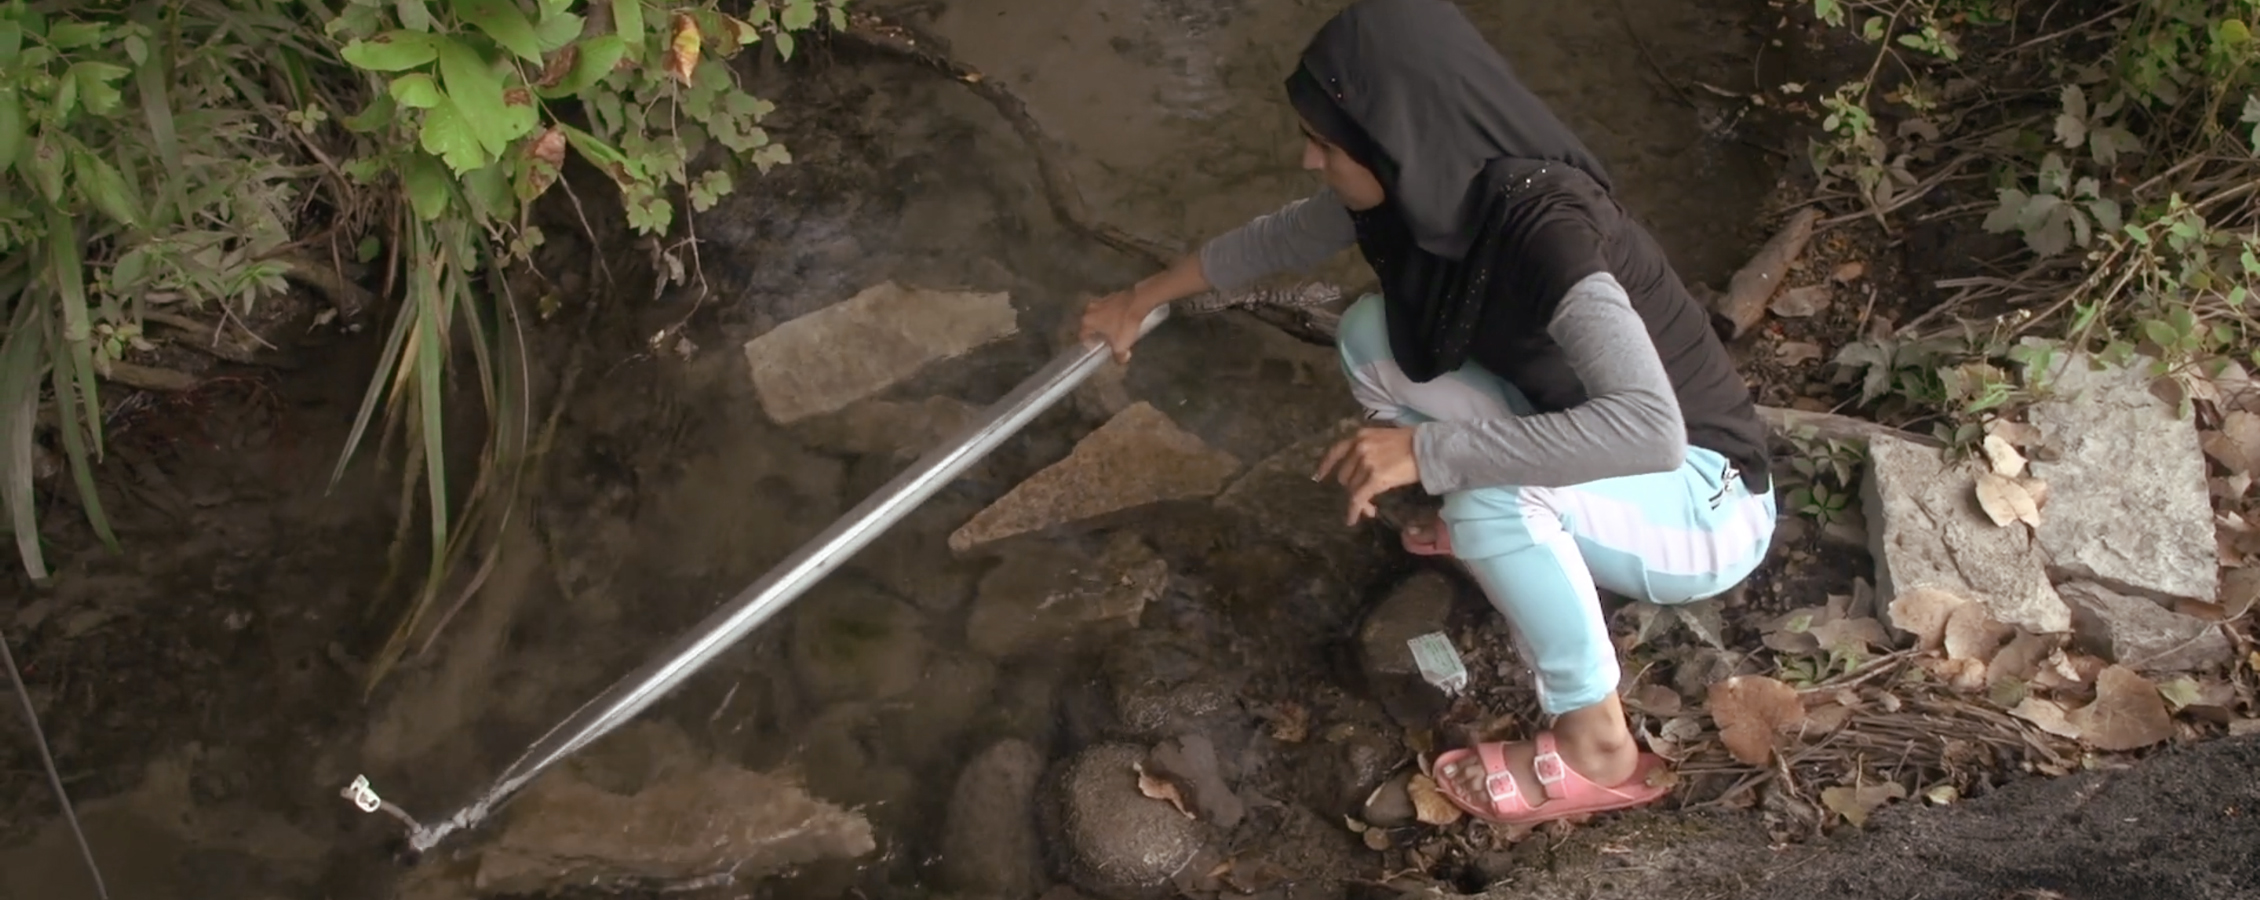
1297	237
1630	425
1180	280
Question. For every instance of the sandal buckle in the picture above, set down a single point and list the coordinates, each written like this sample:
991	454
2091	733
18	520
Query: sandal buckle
1551	770
1501	785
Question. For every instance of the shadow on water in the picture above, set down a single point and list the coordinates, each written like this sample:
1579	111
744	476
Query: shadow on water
671	489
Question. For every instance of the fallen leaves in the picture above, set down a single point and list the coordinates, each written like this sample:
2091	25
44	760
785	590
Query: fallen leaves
1796	353
2005	500
2128	713
1801	302
2006	461
1159	788
1923	613
1855	804
1750	710
1429	805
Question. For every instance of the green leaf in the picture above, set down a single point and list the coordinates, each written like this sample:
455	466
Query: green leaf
20	363
2005	216
157	110
489	190
476	93
68	270
416	90
598	56
137	49
602	155
11	43
557	30
75	426
503	21
414	15
96	91
839	18
105	188
13	133
785	45
627	22
376	117
71	35
366	251
392	51
710	188
426	181
65	100
798	15
446	134
48	161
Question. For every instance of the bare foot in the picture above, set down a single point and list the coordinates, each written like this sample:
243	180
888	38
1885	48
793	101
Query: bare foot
1593	741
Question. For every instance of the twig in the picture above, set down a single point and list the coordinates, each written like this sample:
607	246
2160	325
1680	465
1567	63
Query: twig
1831	426
2045	38
54	776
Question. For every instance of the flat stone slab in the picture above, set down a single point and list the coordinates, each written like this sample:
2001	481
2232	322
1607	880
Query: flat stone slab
2128	506
693	827
823	361
1138	458
1045	595
1925	529
2142	635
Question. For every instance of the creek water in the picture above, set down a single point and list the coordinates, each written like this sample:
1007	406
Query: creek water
671	489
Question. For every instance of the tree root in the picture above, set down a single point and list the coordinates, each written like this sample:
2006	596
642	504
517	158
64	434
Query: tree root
151	378
901	40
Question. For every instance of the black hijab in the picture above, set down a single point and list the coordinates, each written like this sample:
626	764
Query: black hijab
1465	155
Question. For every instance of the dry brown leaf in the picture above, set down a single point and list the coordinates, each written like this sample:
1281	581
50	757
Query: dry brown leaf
545	159
2036	489
1848	272
1749	710
2237	444
2006	501
682	49
1858	635
1429	805
2018	434
1377	839
2020	658
2233	487
1971	633
1160	788
1292	724
1855	804
1966	676
559	65
1923	612
1655	700
2006	461
1796	353
2127	714
2047	715
1826	718
1801	302
2239	588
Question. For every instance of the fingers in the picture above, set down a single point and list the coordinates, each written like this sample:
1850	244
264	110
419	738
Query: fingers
1333	455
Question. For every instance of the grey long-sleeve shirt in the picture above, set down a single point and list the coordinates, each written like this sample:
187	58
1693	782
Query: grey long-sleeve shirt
1631	423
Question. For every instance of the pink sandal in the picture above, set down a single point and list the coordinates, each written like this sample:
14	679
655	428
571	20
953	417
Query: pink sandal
1567	794
1439	543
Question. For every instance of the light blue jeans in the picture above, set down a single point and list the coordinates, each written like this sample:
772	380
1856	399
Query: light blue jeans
1539	553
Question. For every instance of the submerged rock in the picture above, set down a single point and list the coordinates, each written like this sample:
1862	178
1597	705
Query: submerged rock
1114	841
2140	634
900	431
990	846
1044	595
1138	458
1926	530
684	828
851	642
1279	496
1190	762
1418	606
2128	505
823	361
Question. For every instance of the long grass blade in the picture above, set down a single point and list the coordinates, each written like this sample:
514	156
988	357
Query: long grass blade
20	361
70	418
430	358
157	107
386	374
66	269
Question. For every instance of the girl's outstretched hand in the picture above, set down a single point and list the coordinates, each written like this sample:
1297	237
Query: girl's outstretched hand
1370	463
1115	319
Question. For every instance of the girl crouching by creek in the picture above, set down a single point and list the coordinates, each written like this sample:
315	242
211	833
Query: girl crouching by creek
1531	358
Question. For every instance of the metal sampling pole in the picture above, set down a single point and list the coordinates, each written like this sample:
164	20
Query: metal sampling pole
765	598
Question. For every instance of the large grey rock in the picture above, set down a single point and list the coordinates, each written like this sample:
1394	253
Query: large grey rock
989	843
1137	458
1926	530
1041	596
823	361
2140	634
2128	505
1416	607
899	430
1160	686
645	812
1114	841
1280	497
1190	762
851	642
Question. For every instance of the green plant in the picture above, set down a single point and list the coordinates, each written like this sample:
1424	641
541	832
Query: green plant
464	113
1821	484
136	172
